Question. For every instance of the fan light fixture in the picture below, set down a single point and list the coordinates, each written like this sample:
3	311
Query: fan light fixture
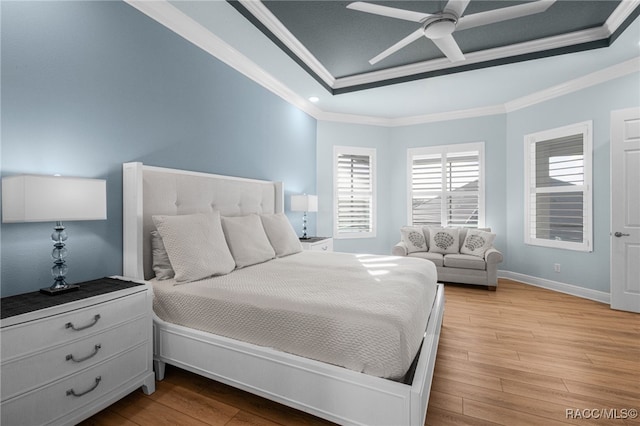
439	27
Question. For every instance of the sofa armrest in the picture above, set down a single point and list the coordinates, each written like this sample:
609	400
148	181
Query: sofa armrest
399	249
493	256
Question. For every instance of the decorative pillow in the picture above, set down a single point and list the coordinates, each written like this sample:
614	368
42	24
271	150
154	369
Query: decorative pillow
196	245
413	238
444	240
161	263
280	233
247	240
477	242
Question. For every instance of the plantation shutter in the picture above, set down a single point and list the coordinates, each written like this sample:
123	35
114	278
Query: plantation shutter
557	208
445	188
427	190
462	173
354	187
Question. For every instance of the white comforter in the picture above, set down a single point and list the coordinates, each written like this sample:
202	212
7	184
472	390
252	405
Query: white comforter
363	312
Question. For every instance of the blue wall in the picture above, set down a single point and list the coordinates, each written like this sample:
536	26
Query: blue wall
340	134
587	270
87	86
392	144
504	140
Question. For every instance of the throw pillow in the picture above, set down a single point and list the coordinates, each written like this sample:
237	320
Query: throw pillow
444	240
477	242
247	240
281	235
161	264
195	245
413	238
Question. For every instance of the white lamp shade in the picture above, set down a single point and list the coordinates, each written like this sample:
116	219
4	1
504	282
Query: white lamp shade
304	203
39	198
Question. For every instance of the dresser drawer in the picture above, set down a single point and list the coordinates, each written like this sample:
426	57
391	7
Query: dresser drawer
50	403
29	372
36	336
326	245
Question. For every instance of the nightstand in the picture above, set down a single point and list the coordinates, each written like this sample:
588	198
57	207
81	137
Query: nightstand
66	357
317	243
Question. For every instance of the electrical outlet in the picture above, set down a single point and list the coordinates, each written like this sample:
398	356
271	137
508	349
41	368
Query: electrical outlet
556	267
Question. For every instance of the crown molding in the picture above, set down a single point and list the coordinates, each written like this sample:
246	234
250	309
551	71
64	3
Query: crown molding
525	50
273	24
598	77
172	18
622	12
474	58
595	78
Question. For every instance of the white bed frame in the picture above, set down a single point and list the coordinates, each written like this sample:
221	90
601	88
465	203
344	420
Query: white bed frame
333	393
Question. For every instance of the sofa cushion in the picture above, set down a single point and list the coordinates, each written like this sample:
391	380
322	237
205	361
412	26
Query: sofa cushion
434	257
461	236
465	261
477	242
444	240
413	238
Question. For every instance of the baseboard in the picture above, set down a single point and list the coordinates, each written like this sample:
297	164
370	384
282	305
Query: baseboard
574	290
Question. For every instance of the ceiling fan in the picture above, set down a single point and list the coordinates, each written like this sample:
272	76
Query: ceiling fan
439	27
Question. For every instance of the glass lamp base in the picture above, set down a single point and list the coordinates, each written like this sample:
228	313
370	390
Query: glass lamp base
53	291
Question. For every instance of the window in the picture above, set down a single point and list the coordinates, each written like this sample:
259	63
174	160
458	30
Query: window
558	187
447	185
354	192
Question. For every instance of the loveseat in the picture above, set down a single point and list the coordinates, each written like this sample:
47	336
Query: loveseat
461	255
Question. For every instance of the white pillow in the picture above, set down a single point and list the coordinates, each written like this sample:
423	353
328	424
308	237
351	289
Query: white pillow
196	245
413	238
444	240
281	235
161	264
477	242
247	240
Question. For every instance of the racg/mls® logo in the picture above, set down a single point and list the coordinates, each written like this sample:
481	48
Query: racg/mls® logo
601	413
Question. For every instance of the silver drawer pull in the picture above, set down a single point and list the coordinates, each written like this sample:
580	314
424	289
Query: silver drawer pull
95	321
324	247
97	347
95	385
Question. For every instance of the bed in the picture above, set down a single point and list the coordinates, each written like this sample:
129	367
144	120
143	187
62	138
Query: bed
366	392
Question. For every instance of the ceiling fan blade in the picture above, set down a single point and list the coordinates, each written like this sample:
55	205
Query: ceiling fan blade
391	12
503	14
399	45
457	7
449	47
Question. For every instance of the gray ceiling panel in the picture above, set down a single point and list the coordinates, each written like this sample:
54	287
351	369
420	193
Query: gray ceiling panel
344	40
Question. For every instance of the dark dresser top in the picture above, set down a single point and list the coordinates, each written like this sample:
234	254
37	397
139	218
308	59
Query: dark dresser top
34	301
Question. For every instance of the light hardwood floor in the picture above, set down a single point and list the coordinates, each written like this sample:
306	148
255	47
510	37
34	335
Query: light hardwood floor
518	356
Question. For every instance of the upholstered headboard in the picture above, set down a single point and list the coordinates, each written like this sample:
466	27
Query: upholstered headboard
149	191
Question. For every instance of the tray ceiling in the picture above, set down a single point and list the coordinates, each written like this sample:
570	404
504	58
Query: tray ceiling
334	43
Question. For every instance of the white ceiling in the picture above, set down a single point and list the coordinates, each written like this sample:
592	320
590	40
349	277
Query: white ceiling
219	29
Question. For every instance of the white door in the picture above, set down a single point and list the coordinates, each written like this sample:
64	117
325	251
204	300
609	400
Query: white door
625	209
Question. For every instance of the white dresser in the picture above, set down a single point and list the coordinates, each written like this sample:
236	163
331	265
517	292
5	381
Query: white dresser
317	243
69	356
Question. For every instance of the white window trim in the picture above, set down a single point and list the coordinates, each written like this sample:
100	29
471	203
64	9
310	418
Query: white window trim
446	149
586	128
345	150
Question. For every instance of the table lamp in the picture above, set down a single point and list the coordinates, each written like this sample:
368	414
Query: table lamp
40	198
304	203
